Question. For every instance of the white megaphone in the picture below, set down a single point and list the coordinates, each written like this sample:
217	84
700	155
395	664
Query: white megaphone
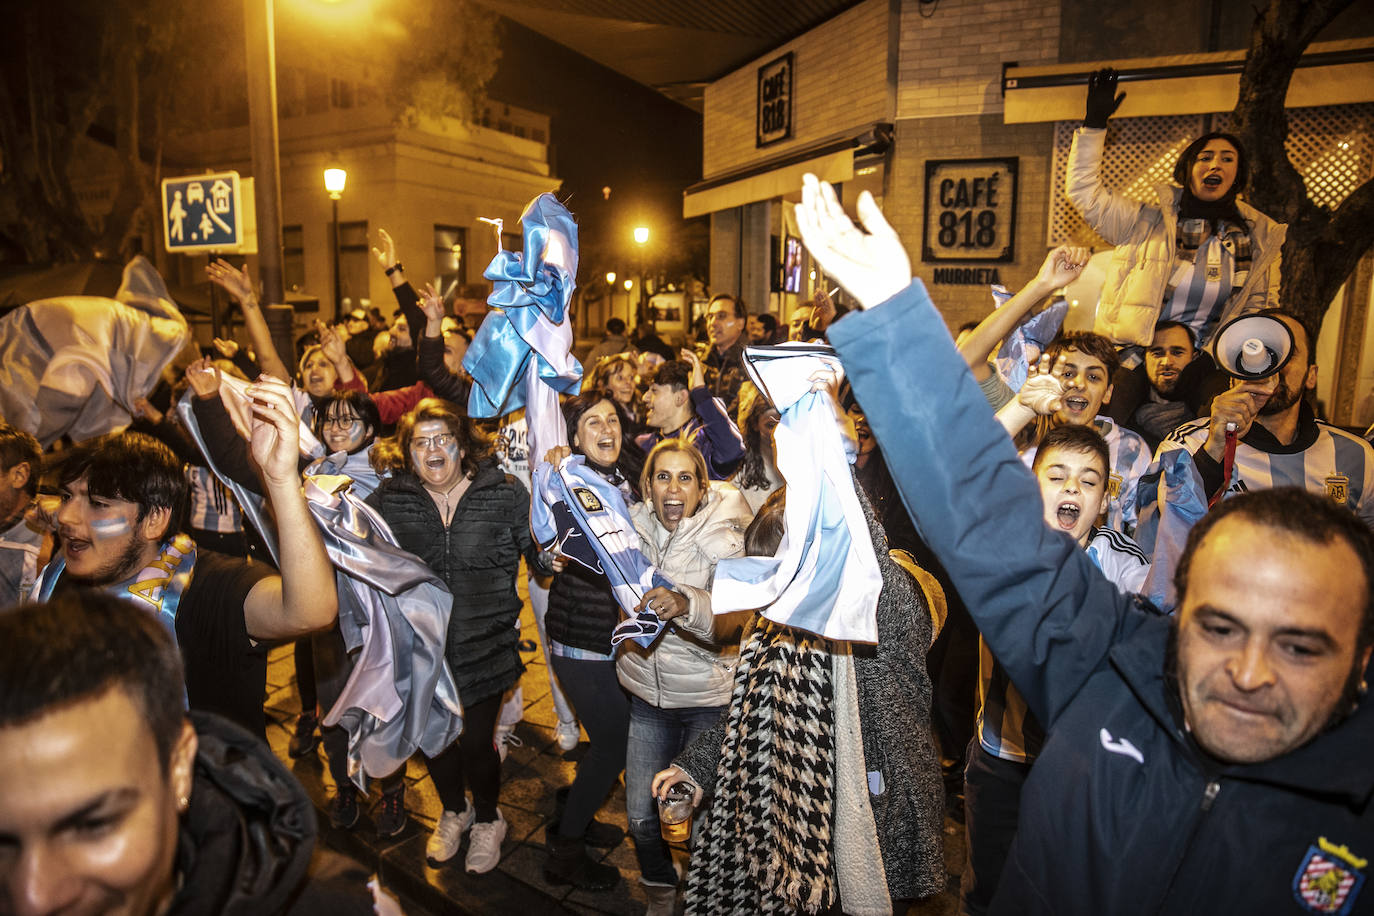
1252	347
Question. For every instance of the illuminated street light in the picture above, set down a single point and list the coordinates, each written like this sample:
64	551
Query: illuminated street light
641	234
610	277
334	181
629	285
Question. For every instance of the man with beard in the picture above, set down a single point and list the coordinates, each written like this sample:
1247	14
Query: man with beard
21	541
1279	440
1164	408
1214	762
119	527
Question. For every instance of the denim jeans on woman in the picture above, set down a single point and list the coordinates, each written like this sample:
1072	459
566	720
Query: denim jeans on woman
656	736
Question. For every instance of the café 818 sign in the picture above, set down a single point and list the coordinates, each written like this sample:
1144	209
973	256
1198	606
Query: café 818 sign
775	101
970	210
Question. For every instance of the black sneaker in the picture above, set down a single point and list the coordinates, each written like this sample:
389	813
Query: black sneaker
343	809
307	736
391	817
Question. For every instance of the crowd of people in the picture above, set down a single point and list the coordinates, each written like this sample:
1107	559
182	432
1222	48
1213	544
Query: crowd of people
1106	596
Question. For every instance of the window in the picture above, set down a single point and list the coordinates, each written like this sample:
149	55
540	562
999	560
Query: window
354	264
293	258
450	259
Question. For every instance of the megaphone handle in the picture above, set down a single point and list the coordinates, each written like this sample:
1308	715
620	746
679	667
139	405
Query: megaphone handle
1228	465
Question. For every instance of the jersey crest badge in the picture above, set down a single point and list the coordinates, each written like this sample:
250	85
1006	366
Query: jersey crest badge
1329	878
588	498
1338	488
1114	487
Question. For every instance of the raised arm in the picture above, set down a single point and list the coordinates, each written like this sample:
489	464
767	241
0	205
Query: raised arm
1062	266
239	285
303	597
1048	614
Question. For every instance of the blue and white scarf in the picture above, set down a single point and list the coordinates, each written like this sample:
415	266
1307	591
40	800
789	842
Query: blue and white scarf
824	578
583	516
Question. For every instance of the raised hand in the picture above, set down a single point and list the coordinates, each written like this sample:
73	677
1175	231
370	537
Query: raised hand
236	283
1062	266
689	356
1043	391
227	348
431	303
386	253
331	344
870	262
275	436
203	377
1103	100
1236	406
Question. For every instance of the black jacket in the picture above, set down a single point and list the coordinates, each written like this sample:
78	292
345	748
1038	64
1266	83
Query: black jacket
246	844
478	557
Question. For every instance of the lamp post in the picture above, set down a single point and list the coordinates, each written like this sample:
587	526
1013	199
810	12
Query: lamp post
641	239
610	295
629	285
334	181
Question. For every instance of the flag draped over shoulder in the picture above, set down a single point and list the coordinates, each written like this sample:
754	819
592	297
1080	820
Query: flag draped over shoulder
1171	498
393	609
74	365
824	577
522	354
584	516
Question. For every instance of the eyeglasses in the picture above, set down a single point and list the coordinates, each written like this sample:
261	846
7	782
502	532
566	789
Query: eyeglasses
340	422
438	441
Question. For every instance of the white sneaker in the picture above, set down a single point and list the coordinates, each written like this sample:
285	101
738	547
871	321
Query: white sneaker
505	741
567	734
484	847
448	834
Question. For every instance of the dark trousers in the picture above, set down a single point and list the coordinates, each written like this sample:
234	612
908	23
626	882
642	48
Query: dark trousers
471	760
603	708
992	802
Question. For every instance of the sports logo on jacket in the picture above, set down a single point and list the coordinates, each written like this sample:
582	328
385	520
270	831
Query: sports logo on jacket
589	500
1329	878
1338	488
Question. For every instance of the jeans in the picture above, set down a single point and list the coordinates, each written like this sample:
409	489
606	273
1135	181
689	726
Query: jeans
656	736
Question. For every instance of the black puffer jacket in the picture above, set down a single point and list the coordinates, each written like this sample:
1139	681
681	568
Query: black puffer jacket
582	611
478	557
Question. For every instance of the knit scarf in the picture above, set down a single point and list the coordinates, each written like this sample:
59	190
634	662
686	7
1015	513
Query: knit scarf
765	844
1235	239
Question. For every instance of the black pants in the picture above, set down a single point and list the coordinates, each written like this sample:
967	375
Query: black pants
471	760
603	708
992	803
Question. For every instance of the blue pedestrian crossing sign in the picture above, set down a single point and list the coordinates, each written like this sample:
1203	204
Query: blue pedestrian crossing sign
203	213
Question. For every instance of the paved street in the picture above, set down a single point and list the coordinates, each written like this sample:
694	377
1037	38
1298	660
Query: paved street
531	775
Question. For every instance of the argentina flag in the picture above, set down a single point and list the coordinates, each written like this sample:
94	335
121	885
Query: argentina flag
824	577
581	515
522	354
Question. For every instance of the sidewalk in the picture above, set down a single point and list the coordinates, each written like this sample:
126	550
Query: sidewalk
530	776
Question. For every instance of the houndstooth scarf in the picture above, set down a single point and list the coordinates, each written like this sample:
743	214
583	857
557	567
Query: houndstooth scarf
765	843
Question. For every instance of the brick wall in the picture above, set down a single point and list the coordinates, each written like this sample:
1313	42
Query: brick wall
950	62
840	83
949	106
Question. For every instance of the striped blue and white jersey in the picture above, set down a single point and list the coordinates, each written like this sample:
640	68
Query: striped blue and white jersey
1006	729
1326	460
213	507
1130	458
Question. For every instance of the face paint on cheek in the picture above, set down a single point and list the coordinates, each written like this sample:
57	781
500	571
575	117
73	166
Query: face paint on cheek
109	527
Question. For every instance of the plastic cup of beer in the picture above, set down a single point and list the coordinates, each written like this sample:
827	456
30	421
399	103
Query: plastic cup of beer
675	813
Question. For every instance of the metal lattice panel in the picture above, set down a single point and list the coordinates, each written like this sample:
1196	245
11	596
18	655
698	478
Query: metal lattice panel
1333	148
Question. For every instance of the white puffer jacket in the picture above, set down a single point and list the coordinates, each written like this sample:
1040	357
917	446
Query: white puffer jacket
693	662
1144	236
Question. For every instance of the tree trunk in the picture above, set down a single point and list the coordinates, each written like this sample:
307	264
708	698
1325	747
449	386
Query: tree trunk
1322	246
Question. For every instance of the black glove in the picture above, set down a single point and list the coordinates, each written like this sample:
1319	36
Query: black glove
1102	98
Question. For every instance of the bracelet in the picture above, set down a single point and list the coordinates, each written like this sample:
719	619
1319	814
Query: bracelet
394	268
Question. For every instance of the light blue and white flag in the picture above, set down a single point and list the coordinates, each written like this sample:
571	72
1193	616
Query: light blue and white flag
1027	340
1172	498
522	354
582	515
824	578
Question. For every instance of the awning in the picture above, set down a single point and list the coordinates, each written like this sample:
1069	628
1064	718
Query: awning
1330	73
832	161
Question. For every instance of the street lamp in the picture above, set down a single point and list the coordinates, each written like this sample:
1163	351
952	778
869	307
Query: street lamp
610	294
641	239
334	181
